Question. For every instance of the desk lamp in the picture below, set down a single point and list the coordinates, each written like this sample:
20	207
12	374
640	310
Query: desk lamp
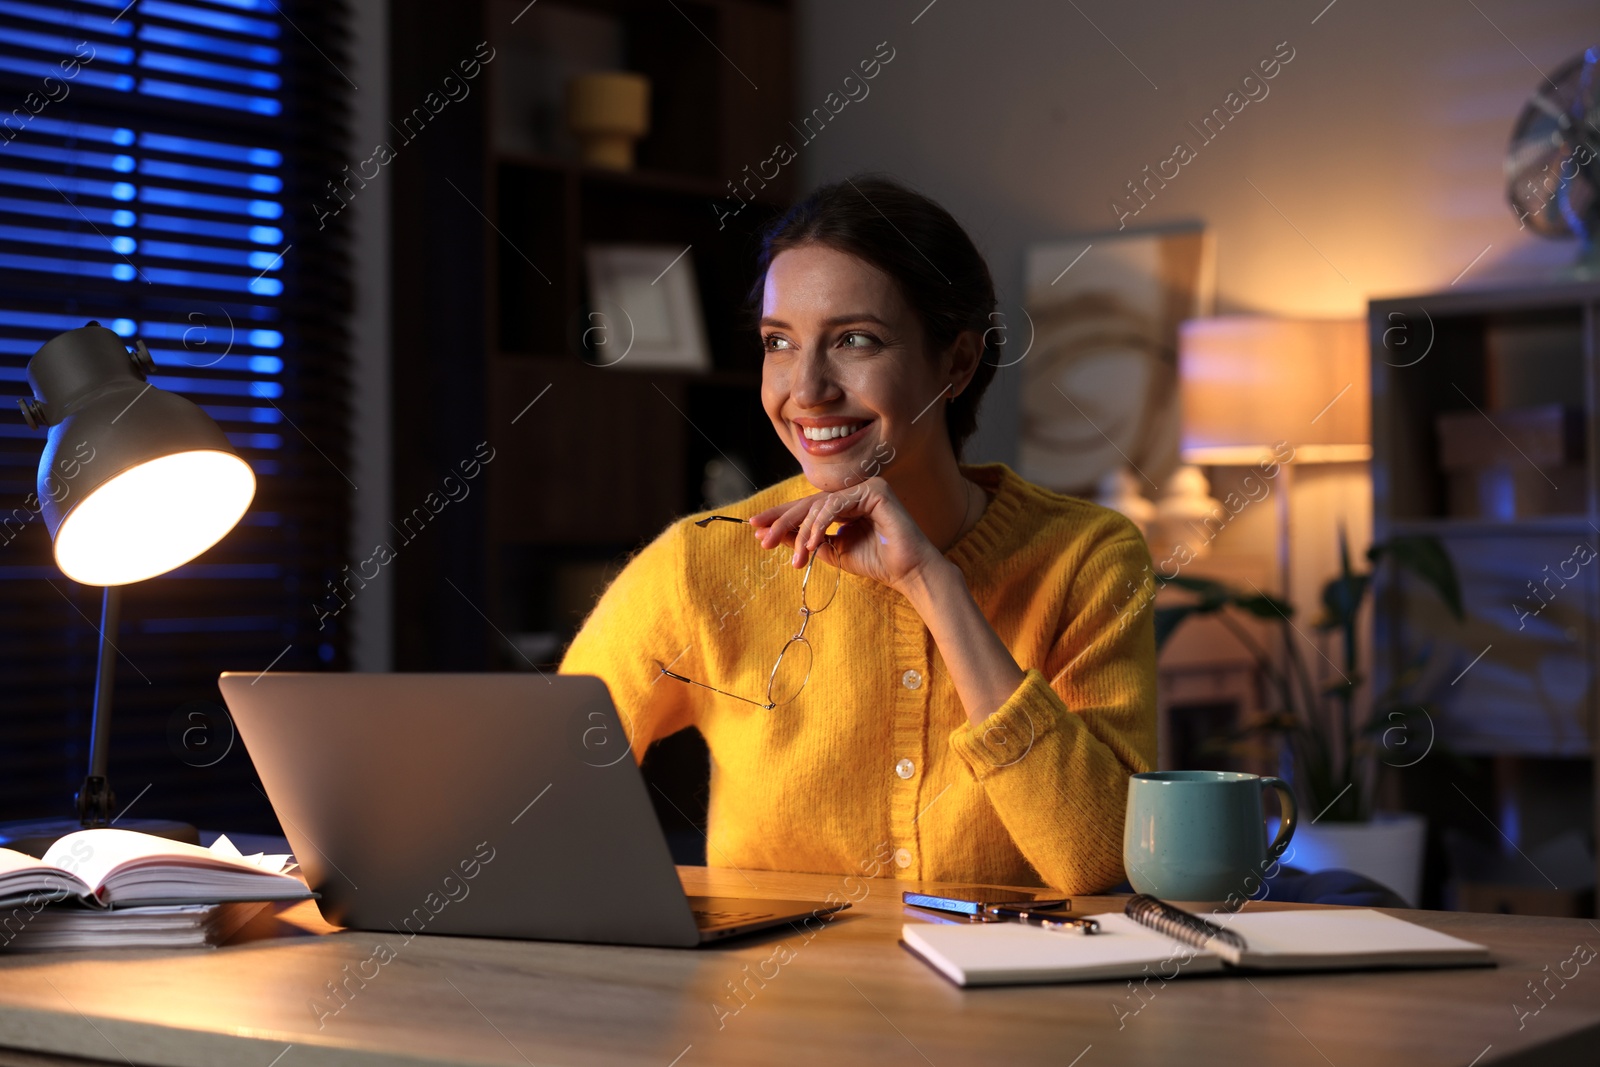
133	482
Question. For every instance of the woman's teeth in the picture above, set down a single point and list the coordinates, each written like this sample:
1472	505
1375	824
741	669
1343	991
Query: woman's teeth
827	433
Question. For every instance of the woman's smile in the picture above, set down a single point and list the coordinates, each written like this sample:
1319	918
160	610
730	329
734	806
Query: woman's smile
830	435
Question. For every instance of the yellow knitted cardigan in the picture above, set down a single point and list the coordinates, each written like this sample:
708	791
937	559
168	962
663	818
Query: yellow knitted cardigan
873	769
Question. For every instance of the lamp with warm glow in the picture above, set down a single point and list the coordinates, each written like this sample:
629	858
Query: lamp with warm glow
1250	382
133	482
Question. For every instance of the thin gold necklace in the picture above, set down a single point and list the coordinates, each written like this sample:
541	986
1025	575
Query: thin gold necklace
966	511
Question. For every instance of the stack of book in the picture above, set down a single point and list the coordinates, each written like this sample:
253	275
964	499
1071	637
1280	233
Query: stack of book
110	888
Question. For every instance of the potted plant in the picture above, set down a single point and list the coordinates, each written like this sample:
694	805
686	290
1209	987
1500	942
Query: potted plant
1332	748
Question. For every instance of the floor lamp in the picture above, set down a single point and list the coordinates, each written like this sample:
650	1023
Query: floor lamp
133	482
1250	382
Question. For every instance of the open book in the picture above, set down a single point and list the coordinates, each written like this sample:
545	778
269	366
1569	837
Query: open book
111	868
1331	939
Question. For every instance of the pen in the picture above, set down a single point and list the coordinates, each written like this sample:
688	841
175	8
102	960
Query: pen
1043	919
940	916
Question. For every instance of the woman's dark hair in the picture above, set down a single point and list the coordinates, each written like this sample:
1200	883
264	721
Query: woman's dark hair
917	243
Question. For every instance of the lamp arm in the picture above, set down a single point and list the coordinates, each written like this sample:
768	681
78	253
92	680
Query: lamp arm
96	802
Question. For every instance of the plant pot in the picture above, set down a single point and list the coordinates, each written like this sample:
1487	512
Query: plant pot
1387	849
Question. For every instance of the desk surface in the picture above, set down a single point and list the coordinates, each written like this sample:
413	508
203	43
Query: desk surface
847	995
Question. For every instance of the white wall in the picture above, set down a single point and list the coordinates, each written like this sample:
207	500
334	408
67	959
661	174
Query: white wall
1379	146
1380	143
372	639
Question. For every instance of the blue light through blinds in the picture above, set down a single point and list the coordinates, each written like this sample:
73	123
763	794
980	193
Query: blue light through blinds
208	69
183	222
155	161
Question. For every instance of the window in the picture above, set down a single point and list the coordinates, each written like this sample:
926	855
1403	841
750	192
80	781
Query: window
158	163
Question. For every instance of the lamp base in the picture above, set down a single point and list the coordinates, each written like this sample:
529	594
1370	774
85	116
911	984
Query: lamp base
34	836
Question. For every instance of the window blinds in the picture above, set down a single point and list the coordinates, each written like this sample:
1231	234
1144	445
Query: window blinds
158	162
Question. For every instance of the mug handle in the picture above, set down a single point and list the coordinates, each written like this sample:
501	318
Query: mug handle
1291	816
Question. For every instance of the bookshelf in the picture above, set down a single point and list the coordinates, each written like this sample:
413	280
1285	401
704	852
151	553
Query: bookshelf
491	212
619	452
1486	425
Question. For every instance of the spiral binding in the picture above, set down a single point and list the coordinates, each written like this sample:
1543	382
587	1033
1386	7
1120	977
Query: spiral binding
1175	922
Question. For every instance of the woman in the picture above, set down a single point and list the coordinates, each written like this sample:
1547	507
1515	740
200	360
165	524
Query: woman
977	694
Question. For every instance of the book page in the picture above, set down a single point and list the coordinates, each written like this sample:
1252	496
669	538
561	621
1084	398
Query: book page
21	876
93	855
273	863
12	860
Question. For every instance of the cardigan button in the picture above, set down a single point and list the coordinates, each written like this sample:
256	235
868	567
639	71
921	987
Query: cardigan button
902	858
905	768
911	679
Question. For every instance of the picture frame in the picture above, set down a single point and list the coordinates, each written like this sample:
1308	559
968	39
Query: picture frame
1100	386
644	310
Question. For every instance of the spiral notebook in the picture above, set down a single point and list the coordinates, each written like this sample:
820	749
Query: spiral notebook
1158	939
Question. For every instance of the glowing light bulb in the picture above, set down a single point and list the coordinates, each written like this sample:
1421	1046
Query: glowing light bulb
153	517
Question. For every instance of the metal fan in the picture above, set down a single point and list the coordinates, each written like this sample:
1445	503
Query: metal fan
1553	166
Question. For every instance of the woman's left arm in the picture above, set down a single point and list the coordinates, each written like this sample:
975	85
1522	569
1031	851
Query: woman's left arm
1053	746
981	666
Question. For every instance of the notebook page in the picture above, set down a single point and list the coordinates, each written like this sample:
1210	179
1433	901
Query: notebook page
994	953
1346	936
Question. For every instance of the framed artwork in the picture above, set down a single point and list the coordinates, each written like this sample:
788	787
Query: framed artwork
644	308
1100	384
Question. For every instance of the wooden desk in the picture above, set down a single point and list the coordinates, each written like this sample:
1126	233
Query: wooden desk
848	995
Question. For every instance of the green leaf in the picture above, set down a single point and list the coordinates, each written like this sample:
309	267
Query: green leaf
1212	594
1341	600
1265	606
1193	584
1425	557
1167	620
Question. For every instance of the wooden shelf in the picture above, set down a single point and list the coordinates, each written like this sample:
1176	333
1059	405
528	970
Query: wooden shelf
737	379
651	180
1532	526
624	7
723	379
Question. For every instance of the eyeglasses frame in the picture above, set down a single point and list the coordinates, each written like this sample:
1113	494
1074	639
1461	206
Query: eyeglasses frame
800	635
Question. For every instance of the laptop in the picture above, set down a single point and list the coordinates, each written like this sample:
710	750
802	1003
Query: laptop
492	805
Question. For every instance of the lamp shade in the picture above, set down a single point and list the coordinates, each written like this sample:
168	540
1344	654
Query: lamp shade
134	480
1251	381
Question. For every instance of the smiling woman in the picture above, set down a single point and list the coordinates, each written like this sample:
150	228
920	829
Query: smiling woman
971	698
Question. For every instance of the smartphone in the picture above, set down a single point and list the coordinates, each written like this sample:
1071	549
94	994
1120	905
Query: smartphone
971	900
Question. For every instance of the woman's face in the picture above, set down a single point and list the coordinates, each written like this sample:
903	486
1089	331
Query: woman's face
847	380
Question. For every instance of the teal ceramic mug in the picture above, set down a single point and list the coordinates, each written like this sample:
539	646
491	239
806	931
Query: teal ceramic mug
1201	835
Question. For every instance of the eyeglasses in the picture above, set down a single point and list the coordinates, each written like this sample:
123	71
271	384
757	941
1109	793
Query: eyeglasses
793	666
